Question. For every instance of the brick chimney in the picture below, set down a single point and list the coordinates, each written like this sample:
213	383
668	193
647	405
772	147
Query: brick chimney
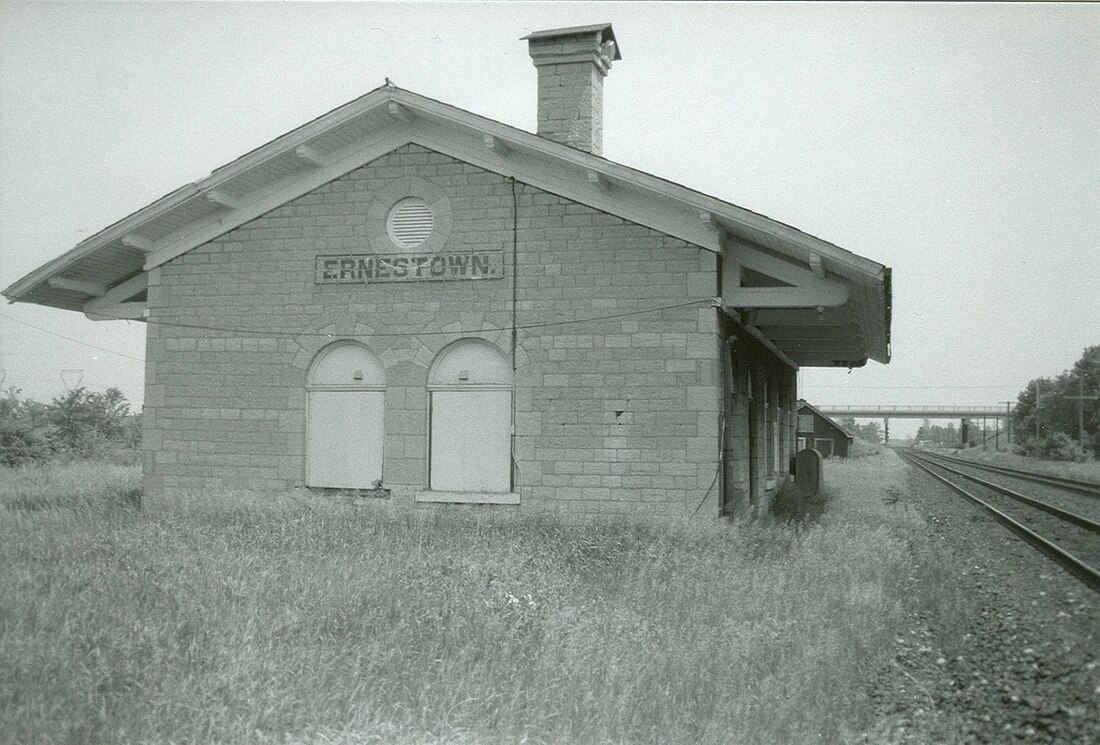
572	63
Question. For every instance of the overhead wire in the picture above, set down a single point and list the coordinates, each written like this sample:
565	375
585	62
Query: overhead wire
69	338
281	332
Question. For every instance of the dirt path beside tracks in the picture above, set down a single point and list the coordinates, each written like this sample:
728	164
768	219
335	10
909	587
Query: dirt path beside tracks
1012	655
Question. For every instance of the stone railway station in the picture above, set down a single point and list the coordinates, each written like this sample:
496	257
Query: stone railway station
406	294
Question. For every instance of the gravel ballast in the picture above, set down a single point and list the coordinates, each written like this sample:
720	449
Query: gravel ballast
1012	653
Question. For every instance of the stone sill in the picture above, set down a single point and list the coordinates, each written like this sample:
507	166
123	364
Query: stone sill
460	497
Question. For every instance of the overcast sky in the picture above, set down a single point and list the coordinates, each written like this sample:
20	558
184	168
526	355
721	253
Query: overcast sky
957	144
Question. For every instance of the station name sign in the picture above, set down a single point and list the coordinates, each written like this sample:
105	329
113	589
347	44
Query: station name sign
359	268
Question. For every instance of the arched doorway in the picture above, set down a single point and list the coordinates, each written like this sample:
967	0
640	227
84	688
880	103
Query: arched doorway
470	427
344	429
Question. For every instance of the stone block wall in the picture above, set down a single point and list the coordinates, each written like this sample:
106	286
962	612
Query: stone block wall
616	400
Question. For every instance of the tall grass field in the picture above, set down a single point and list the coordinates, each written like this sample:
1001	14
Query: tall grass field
224	618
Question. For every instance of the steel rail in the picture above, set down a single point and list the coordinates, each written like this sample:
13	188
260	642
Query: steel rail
1090	488
1083	571
1070	517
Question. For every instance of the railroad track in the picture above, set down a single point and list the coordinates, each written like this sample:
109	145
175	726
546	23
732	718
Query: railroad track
1089	488
1068	537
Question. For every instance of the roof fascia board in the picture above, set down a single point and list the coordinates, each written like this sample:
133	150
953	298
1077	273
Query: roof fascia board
548	174
732	216
551	152
551	174
276	148
340	163
299	136
113	232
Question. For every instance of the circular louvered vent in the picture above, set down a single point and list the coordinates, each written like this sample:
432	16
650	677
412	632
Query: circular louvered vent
410	222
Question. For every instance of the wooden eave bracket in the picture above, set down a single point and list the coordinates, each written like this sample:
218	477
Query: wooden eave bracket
805	289
219	198
816	266
116	304
711	221
496	145
598	180
130	240
310	156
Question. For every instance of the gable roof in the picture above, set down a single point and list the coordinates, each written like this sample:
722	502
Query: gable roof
823	305
803	404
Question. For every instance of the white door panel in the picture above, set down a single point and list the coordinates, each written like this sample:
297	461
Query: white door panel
345	439
471	441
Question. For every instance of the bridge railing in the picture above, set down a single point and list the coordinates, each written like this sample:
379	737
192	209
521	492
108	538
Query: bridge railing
922	412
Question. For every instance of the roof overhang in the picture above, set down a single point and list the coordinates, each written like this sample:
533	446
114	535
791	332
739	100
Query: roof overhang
818	303
802	403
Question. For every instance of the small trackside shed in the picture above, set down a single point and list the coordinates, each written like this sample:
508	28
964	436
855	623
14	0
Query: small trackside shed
817	431
401	291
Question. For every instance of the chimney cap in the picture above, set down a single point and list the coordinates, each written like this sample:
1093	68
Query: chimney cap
603	29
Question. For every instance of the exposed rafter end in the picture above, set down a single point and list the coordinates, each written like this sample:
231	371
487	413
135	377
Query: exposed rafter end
710	220
310	156
136	241
221	199
76	285
496	145
399	112
598	180
816	266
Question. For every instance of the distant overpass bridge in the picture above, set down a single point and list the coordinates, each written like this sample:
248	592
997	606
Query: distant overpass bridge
963	413
917	412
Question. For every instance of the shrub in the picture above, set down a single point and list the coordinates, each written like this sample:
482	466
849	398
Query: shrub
80	425
862	448
1052	446
25	433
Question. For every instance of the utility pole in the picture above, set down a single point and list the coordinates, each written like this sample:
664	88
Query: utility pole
1036	408
1081	398
1008	422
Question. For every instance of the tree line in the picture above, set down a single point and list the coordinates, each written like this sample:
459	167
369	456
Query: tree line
1059	417
79	424
1055	418
869	431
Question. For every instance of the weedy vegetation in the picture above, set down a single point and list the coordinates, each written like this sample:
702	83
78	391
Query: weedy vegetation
291	619
1088	470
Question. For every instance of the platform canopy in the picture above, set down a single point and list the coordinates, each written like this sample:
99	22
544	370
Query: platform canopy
816	304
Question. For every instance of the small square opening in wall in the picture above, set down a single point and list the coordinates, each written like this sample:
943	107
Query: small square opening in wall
410	222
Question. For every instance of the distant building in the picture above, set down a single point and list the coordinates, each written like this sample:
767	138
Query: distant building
817	431
402	295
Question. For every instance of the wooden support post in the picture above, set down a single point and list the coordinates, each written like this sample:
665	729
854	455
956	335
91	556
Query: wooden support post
1081	398
1037	408
1008	423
